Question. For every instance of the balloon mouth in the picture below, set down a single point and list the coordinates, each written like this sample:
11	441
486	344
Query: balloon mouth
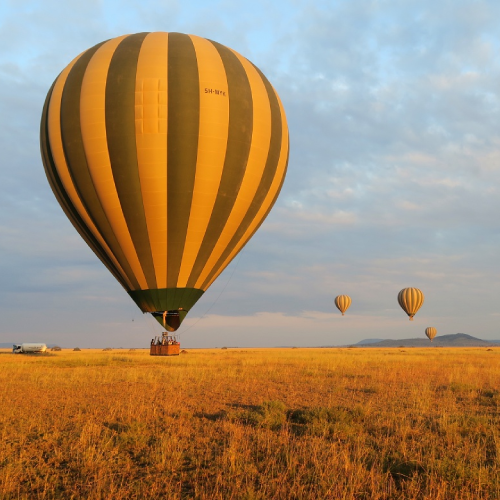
170	320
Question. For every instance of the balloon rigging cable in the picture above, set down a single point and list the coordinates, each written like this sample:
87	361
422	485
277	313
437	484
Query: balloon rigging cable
218	297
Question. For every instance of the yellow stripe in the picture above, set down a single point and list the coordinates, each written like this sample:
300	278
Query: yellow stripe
212	145
413	300
93	126
56	146
405	297
151	142
55	139
275	186
259	149
420	300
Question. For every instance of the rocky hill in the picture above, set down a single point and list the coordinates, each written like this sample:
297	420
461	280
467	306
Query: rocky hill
453	340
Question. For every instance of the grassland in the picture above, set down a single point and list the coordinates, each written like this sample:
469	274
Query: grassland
251	424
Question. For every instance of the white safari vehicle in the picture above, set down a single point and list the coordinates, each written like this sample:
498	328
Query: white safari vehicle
28	348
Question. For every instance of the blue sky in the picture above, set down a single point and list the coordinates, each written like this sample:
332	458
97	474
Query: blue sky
393	110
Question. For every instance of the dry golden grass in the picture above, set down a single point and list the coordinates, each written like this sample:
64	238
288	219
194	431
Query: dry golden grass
251	424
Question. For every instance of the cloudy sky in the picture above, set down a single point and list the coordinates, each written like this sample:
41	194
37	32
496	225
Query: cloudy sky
393	179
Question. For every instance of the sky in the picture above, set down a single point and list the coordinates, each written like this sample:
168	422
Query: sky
393	177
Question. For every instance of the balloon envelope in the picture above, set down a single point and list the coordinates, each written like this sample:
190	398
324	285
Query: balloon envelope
430	332
166	151
410	300
342	302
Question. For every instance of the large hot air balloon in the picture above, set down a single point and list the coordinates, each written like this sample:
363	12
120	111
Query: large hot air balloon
342	302
410	299
430	332
166	151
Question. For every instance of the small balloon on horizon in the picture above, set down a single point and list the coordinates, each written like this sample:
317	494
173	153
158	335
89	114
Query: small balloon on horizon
430	332
343	303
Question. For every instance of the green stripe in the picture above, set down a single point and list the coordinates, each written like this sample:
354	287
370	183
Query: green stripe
238	149
265	214
77	161
182	147
166	299
273	157
120	132
63	199
220	262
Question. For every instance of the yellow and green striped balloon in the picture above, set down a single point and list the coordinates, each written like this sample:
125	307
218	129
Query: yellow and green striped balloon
342	302
166	151
410	300
430	332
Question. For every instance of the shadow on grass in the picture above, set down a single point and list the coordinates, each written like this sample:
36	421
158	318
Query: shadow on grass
401	470
274	415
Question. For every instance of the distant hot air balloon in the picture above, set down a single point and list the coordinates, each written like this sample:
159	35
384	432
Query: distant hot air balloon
342	302
410	299
430	332
166	151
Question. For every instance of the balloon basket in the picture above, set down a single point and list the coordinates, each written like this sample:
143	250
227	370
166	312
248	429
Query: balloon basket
166	345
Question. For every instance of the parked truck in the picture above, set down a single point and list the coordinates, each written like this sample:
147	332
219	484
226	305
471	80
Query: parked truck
28	347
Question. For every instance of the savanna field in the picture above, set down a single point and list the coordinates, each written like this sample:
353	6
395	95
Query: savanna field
251	424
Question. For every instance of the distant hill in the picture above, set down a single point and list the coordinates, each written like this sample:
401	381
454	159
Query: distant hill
453	340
